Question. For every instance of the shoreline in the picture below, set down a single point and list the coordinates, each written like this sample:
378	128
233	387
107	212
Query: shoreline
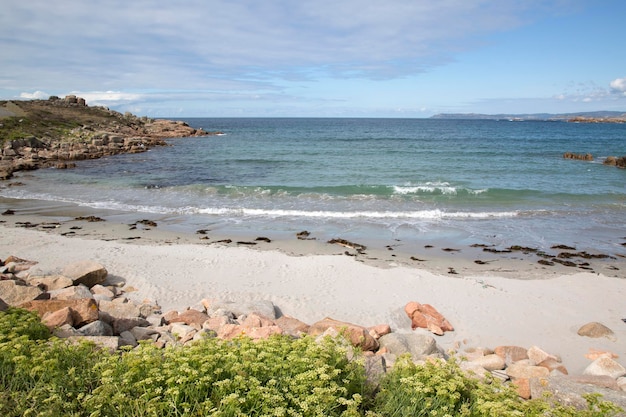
509	300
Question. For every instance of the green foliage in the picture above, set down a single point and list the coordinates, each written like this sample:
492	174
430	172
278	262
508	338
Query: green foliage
280	376
443	389
16	322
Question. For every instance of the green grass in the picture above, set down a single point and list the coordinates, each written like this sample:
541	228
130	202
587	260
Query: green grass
41	375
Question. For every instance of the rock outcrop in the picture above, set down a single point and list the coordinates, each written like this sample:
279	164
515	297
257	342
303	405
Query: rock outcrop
35	134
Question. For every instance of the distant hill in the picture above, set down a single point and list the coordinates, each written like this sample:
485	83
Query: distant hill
592	117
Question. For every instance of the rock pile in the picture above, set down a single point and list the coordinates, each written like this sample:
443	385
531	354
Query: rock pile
81	303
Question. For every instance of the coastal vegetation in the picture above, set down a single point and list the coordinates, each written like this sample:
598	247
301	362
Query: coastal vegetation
41	375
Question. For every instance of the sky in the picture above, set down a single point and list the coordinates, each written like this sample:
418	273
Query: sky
323	58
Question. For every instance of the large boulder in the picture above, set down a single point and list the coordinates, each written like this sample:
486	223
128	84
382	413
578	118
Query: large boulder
567	390
417	345
14	294
86	272
83	311
357	335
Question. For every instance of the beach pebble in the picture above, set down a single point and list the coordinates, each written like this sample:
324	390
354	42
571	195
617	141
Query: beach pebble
596	330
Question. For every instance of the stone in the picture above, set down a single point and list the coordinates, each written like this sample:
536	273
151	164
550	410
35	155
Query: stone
596	330
594	354
292	326
511	354
417	345
204	334
357	335
621	383
58	318
567	391
426	316
257	333
144	333
521	370
155	320
3	306
262	307
491	362
123	324
51	282
216	323
605	366
254	320
102	290
119	310
522	386
14	294
83	311
96	328
71	293
379	330
537	355
65	331
552	365
127	339
191	317
181	330
86	272
375	369
473	369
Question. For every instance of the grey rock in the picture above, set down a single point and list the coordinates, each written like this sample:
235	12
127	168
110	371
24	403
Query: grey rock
96	328
375	369
155	320
66	331
262	307
417	344
144	333
3	306
127	339
491	362
181	330
123	324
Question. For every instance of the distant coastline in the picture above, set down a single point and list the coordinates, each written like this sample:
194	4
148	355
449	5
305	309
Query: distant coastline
583	117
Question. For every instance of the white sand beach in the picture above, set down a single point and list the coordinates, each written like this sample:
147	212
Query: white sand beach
534	306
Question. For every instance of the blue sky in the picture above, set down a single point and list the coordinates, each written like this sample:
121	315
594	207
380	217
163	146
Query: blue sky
325	58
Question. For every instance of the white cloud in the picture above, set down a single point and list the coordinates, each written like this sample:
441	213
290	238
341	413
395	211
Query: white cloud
36	95
619	85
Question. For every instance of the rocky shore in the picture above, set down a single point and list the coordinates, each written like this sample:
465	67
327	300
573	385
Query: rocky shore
57	132
82	302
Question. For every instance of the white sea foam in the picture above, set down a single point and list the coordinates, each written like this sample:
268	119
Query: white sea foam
433	187
419	214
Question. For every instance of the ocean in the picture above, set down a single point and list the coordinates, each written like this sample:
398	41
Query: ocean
373	181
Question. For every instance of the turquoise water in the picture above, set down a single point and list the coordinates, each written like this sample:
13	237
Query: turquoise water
417	180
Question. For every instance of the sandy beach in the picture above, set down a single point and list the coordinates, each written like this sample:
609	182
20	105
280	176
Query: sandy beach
507	300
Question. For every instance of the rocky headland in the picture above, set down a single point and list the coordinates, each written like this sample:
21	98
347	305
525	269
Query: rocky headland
59	131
